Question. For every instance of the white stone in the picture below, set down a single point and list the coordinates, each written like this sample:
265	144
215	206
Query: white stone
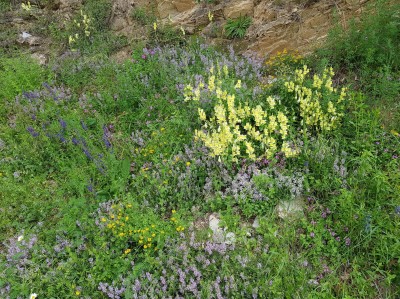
213	222
290	208
230	238
25	35
256	223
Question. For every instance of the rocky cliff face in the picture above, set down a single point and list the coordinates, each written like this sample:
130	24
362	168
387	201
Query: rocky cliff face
277	24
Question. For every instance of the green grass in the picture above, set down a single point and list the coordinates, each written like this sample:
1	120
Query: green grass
106	193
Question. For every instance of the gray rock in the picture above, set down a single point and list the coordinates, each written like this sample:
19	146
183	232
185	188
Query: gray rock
256	223
290	208
230	238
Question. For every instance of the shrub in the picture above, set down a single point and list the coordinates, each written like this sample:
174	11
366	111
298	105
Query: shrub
237	28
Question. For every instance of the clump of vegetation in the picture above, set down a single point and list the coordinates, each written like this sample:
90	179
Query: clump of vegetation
187	171
367	54
236	28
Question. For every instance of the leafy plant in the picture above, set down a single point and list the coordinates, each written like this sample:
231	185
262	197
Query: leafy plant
236	28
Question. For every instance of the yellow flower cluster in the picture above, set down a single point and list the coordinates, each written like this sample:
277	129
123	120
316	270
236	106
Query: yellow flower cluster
82	25
146	237
316	112
236	129
27	6
283	61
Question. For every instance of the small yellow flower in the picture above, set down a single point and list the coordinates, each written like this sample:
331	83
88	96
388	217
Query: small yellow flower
155	26
395	133
210	16
26	7
173	212
153	235
145	246
77	292
149	239
140	241
103	219
188	163
127	251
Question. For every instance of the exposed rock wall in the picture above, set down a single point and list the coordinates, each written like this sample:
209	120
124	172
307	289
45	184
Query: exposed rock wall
277	24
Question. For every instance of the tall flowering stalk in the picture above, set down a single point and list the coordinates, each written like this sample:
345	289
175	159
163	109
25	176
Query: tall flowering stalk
234	129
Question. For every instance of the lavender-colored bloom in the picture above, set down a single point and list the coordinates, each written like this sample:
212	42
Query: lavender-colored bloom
32	132
63	124
90	188
75	141
83	125
111	291
397	210
107	135
367	226
87	153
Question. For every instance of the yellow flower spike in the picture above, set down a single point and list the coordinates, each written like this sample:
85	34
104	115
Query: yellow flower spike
202	114
155	26
238	84
210	16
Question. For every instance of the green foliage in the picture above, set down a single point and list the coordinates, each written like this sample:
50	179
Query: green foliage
368	53
102	162
5	6
99	12
236	28
19	74
143	16
166	35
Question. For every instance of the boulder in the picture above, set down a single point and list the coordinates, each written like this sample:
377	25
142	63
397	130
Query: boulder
239	8
183	5
40	58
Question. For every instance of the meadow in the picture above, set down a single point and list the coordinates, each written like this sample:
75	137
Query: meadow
111	172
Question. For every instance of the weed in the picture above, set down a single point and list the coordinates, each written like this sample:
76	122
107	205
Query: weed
236	28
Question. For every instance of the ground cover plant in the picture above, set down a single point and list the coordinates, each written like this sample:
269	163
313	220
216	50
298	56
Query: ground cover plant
111	175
